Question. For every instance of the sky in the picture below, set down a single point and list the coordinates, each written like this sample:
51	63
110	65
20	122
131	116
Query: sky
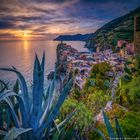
46	19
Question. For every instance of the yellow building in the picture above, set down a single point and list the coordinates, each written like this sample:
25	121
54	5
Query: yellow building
137	34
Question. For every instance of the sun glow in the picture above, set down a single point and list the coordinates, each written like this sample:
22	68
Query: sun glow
26	35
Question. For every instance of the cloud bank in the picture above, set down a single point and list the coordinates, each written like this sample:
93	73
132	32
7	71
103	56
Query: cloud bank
44	19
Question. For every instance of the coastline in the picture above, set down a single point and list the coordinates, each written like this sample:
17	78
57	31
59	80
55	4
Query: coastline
70	60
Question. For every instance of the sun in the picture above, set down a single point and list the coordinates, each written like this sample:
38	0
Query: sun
26	35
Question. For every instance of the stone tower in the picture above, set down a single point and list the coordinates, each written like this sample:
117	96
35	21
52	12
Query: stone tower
137	34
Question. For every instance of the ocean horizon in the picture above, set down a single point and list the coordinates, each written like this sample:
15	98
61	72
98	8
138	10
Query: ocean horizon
21	54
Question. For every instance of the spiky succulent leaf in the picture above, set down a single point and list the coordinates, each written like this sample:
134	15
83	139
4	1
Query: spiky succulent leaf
14	133
56	108
99	133
61	125
1	118
48	103
8	118
15	118
38	88
49	109
23	87
108	126
60	135
7	94
3	86
119	130
16	87
43	62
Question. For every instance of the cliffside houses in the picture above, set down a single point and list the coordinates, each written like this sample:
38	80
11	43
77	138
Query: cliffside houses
125	29
69	59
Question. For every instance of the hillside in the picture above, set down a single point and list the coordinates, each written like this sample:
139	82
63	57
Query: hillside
76	37
121	28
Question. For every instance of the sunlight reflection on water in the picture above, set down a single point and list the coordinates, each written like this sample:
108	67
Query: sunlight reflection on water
21	55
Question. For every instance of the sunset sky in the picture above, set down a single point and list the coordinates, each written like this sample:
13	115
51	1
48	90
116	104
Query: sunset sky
45	19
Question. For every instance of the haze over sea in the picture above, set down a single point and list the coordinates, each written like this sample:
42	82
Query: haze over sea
21	54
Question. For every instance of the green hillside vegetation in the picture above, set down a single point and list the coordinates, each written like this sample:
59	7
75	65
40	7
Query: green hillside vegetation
95	95
121	28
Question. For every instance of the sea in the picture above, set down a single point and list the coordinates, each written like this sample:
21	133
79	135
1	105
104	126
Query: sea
21	54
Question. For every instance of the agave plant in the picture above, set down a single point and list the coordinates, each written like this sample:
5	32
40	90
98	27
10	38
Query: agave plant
113	134
3	86
35	113
117	134
4	113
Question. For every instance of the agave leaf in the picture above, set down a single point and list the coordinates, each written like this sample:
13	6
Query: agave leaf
57	134
48	103
50	95
52	87
108	126
16	87
56	108
46	110
70	134
45	96
15	133
119	130
43	62
1	118
99	133
42	66
5	86
7	94
61	125
8	118
38	88
56	126
23	87
64	134
15	118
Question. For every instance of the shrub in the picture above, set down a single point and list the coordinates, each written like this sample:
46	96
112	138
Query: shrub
82	119
131	124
